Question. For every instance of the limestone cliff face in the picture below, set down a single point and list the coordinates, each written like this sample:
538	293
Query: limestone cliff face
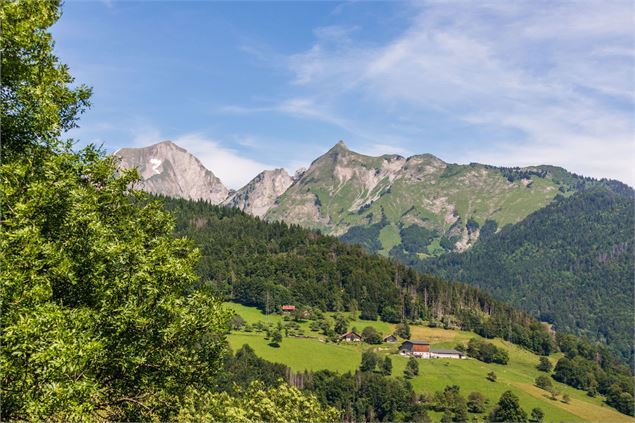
170	170
257	197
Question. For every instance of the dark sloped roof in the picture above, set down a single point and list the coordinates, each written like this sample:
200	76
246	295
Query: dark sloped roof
418	342
447	352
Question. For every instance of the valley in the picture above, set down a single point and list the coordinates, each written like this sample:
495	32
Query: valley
434	374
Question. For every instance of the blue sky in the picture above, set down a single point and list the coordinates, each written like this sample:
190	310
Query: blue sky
248	86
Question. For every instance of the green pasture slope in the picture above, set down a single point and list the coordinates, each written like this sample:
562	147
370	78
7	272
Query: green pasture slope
518	375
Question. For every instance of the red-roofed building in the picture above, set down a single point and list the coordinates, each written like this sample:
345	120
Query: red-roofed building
286	309
419	349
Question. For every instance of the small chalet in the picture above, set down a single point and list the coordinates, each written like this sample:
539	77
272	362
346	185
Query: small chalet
287	309
350	337
390	338
419	349
446	354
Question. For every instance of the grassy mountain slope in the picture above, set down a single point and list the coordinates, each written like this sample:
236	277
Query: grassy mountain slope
518	375
380	201
570	263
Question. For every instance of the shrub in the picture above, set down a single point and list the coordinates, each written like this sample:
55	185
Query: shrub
544	365
371	336
543	382
476	402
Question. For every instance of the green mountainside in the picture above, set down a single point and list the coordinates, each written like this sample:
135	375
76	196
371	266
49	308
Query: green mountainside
570	263
267	265
419	204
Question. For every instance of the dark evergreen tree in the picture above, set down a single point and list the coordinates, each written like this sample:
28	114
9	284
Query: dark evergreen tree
386	366
508	409
537	415
544	365
412	368
369	361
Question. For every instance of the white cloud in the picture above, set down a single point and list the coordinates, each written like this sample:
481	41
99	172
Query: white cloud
560	78
381	149
144	134
233	169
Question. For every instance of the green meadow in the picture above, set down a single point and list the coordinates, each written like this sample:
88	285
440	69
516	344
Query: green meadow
315	353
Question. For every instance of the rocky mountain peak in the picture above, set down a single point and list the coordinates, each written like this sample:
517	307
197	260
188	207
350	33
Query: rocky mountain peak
338	150
341	145
260	194
167	169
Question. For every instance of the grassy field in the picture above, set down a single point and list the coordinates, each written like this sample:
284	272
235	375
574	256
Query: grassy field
518	376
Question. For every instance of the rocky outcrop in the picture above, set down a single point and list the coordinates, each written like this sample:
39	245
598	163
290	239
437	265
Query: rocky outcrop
257	197
169	170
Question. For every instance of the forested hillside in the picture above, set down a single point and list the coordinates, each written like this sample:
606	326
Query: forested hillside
570	263
268	265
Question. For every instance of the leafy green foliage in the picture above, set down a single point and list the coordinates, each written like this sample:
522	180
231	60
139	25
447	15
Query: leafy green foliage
591	368
366	236
93	295
403	330
452	403
276	338
412	368
386	366
476	402
341	324
544	365
243	368
98	319
488	230
364	396
370	360
256	404
38	104
536	415
371	336
544	382
415	238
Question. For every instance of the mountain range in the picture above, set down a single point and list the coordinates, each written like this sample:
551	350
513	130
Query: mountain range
389	204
